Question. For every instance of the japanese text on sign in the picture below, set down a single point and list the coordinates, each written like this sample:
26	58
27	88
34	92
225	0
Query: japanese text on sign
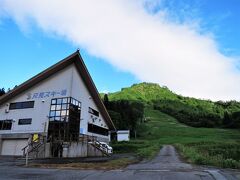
39	95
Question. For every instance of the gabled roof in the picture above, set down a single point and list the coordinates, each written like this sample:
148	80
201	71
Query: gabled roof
77	60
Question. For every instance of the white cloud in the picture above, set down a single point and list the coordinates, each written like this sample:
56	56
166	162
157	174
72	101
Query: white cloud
104	91
148	45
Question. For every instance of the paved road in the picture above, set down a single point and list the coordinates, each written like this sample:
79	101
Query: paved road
165	166
169	166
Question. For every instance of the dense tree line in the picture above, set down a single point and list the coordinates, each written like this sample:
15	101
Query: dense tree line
125	114
231	120
197	116
3	91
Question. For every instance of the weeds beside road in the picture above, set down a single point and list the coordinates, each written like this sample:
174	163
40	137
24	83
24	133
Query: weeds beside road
226	155
108	165
205	146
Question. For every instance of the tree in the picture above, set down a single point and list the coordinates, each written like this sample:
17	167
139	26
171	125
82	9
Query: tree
106	101
227	120
236	119
125	114
2	91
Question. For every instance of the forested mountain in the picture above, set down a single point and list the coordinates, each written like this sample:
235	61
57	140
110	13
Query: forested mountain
145	92
191	111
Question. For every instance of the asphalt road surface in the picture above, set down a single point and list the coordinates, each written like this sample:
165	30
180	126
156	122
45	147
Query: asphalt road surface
166	165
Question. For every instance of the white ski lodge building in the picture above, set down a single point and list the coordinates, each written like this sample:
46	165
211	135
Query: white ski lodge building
57	113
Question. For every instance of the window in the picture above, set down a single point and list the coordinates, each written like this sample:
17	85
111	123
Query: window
93	111
59	110
97	130
21	105
64	119
25	121
5	124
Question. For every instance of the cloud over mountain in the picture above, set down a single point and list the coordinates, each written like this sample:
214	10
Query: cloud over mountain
150	46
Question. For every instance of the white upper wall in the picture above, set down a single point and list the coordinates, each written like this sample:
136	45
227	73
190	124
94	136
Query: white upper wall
39	114
65	83
80	92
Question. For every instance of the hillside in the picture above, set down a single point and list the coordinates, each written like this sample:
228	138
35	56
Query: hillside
206	146
151	92
191	111
164	115
146	92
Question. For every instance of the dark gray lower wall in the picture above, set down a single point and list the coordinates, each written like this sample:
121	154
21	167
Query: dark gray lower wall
94	152
75	149
70	149
80	149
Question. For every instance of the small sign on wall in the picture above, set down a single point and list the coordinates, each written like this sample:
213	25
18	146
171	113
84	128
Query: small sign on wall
35	138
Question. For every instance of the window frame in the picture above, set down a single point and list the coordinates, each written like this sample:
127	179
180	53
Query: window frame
21	105
24	123
3	122
92	128
93	111
59	108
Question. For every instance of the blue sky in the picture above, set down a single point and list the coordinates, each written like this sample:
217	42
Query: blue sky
221	18
25	54
127	42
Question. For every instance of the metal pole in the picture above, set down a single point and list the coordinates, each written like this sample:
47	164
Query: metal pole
27	158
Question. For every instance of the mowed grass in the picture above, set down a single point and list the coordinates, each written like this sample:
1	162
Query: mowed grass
206	146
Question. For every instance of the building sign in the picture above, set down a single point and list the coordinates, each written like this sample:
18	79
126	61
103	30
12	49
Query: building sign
46	94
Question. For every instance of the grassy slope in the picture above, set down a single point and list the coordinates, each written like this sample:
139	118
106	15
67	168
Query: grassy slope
219	147
166	129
